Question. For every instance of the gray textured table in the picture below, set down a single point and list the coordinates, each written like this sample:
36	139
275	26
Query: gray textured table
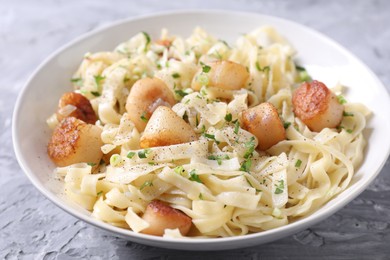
31	227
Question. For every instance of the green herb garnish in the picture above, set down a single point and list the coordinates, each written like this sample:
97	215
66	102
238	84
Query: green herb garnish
279	188
210	136
130	155
228	117
303	74
218	158
98	79
181	93
246	165
202	79
143	117
146	184
286	124
298	163
115	159
203	129
95	93
147	37
347	114
341	99
179	170
224	42
194	176
77	81
205	68
144	153
251	147
175	75
250	184
91	164
236	126
265	69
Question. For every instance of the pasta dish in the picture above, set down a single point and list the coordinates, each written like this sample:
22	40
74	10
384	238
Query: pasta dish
197	137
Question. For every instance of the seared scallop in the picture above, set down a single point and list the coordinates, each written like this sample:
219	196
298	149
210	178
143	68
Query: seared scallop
161	216
73	104
164	128
74	141
223	74
145	96
263	121
317	106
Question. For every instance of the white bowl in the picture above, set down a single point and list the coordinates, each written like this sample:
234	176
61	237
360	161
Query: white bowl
325	60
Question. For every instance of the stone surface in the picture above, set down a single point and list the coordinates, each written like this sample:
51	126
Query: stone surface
31	227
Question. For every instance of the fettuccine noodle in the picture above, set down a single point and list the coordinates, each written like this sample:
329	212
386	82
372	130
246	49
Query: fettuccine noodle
225	190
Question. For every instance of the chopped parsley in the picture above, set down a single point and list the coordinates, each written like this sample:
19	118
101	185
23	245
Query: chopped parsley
298	163
181	93
203	92
264	69
224	42
246	165
205	68
91	164
347	114
99	193
146	184
77	81
250	184
341	99
175	75
210	136
303	74
217	55
280	188
98	79
349	131
236	126
228	117
130	155
144	153
250	145
185	116
147	37
200	196
286	124
143	117
125	79
203	129
218	158
194	176
95	93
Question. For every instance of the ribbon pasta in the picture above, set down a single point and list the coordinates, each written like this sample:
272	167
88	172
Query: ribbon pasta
212	180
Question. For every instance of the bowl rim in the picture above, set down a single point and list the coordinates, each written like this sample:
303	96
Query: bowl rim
266	236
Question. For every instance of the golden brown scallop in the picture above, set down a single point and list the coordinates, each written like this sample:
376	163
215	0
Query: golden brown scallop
164	128
264	122
145	96
317	106
223	74
73	104
161	216
74	141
